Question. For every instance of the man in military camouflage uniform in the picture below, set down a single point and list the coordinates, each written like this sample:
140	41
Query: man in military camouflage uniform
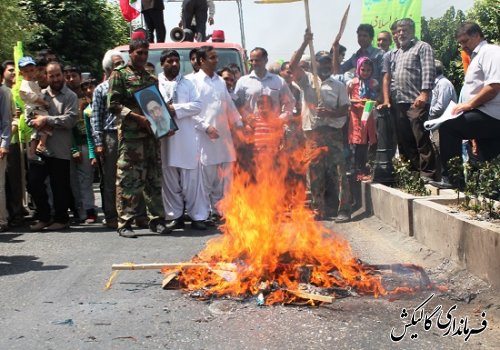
138	167
322	122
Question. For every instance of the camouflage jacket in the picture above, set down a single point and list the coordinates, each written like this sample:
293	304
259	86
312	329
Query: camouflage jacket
123	82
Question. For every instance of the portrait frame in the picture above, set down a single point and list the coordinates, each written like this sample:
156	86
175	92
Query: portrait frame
163	123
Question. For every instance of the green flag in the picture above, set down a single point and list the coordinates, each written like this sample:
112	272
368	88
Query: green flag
382	13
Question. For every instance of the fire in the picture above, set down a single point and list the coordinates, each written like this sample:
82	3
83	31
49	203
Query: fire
272	243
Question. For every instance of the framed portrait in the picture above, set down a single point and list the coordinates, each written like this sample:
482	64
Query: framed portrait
155	109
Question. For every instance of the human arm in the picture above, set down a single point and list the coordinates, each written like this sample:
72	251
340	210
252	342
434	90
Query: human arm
297	71
428	74
99	112
88	130
211	11
189	103
486	94
5	121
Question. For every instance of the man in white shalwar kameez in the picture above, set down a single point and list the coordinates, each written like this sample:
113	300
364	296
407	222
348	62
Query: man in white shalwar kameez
218	115
182	185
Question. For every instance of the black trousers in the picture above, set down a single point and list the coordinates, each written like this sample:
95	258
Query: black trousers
13	183
475	125
413	140
58	172
197	9
154	22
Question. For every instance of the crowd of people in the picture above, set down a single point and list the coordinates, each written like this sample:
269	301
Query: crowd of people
326	105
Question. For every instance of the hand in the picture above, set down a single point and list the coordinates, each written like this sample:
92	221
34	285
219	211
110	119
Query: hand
144	123
39	121
212	133
3	152
308	36
421	100
461	107
18	112
77	157
211	21
99	150
170	133
384	105
323	111
93	162
180	23
171	109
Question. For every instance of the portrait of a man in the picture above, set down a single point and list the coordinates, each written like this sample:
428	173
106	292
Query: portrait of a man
155	110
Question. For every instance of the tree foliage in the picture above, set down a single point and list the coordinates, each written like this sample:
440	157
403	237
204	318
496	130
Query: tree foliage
487	14
12	21
79	31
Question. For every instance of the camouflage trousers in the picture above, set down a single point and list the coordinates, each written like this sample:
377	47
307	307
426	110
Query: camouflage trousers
138	172
327	172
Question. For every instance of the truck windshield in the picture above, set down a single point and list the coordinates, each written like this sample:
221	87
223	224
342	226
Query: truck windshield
226	57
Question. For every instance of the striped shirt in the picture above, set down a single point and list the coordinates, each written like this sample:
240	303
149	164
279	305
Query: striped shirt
102	119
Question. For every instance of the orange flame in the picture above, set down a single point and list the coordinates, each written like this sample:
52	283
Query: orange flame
269	235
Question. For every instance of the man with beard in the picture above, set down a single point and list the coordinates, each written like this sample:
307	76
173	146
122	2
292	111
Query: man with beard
322	122
414	74
138	169
218	116
63	114
182	175
479	102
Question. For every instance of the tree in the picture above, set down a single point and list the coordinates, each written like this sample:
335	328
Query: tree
79	32
13	20
486	13
440	34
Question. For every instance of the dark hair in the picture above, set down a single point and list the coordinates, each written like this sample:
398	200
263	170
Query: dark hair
55	63
262	50
394	25
43	53
407	22
283	65
148	96
367	28
193	52
385	32
71	68
168	53
469	28
342	50
234	67
202	53
3	67
138	43
42	62
224	69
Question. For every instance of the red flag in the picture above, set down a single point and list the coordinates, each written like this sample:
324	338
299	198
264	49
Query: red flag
128	12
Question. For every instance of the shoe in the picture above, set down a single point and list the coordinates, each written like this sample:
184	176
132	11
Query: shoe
444	184
342	217
57	226
126	232
214	220
16	222
159	226
4	228
427	179
198	225
111	223
176	224
39	225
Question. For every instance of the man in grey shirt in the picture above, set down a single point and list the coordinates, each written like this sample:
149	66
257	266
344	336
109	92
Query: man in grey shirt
63	114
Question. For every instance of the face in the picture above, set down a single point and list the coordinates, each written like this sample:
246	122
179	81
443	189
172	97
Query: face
139	57
116	61
9	75
88	89
228	79
194	63
258	61
73	79
324	68
154	109
405	34
171	66
469	42
286	74
395	37
365	71
209	65
41	76
55	77
29	72
364	39
384	41
264	104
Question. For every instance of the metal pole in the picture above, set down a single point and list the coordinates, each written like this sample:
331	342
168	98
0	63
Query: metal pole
242	26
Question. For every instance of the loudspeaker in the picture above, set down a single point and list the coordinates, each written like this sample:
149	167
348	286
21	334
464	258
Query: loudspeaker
178	34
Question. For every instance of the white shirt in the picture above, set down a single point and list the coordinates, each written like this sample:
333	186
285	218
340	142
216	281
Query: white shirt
217	110
182	149
484	69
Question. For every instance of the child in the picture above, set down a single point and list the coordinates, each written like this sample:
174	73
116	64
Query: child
267	128
362	89
31	94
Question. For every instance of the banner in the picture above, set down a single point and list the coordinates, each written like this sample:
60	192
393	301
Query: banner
128	12
382	13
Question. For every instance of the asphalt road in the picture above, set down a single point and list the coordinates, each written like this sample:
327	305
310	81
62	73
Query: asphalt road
52	297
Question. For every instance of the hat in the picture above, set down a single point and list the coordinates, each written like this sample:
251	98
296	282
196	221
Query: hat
89	81
218	36
321	55
26	61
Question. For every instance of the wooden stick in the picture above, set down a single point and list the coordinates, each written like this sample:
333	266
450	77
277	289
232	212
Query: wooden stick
157	266
312	53
309	296
168	278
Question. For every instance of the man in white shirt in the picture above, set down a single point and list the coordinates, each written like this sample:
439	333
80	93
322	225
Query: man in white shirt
218	116
182	185
479	102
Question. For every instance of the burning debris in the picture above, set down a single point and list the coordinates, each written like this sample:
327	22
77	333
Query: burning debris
272	249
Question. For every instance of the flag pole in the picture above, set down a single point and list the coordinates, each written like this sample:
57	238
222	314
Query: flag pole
311	51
